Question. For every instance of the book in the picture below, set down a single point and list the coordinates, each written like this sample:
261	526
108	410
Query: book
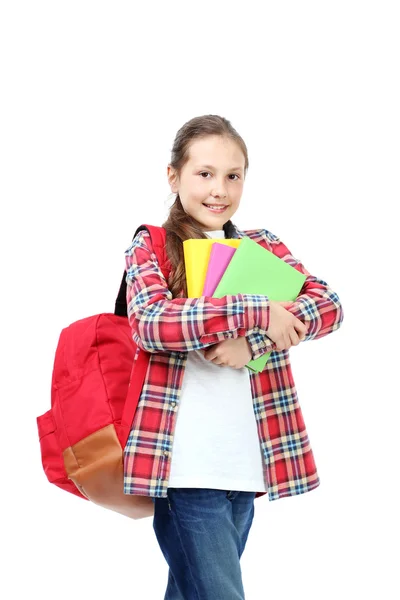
255	270
196	257
220	257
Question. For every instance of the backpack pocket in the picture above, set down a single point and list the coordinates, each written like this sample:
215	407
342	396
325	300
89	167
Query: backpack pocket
52	456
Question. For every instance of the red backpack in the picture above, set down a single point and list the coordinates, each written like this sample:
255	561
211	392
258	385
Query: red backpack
97	379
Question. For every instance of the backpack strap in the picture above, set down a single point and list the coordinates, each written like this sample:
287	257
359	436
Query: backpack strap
158	240
140	365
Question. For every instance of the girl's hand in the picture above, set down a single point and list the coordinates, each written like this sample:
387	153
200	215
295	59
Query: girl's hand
234	353
284	328
286	304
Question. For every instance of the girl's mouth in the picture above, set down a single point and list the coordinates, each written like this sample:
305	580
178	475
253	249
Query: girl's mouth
216	208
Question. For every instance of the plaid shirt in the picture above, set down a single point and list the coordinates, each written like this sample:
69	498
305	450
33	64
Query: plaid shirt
169	328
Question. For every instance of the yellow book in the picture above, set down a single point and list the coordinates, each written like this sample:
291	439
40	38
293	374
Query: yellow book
197	254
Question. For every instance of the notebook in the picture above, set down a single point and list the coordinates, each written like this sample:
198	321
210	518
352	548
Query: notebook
196	256
255	270
220	257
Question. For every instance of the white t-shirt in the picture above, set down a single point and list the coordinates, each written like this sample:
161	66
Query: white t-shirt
216	444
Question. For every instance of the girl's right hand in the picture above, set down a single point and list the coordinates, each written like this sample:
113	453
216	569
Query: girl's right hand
284	329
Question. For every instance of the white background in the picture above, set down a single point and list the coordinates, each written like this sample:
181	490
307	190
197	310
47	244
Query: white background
92	96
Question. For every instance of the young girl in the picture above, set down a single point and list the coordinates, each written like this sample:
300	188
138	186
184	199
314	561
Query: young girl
209	436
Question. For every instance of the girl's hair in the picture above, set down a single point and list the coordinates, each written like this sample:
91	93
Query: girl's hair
179	225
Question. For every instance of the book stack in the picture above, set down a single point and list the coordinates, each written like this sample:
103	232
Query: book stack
221	267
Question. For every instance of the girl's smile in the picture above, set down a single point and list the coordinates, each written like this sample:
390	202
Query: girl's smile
216	208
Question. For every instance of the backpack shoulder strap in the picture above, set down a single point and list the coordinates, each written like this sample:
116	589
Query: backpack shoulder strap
158	241
157	234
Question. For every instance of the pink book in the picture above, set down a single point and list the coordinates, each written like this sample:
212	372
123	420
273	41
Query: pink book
220	257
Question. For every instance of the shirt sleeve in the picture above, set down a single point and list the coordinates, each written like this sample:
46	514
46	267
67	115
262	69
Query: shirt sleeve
317	305
161	323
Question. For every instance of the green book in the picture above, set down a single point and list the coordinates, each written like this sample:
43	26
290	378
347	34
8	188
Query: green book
255	270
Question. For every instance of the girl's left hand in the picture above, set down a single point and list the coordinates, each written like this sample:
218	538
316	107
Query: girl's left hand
235	353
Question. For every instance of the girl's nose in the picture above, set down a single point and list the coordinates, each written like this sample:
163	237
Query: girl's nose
219	192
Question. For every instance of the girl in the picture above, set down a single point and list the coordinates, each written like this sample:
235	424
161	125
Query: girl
209	436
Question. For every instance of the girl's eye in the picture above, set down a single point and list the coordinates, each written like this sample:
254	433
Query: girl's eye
207	173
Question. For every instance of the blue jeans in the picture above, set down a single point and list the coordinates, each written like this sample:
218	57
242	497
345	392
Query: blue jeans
202	534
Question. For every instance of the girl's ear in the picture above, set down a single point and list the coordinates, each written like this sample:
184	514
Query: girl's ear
172	178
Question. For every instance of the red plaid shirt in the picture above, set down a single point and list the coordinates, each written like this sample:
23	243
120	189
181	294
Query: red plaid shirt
169	328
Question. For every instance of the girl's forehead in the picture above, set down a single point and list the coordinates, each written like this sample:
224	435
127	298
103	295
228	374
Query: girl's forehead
209	151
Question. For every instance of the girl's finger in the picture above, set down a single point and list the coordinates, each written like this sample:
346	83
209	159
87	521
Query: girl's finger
294	337
286	304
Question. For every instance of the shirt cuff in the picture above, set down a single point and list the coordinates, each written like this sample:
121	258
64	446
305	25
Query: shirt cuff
259	343
256	311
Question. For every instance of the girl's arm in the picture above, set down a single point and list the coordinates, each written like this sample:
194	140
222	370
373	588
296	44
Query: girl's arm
160	323
317	305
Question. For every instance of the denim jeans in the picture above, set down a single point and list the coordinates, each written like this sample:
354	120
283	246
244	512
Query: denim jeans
202	534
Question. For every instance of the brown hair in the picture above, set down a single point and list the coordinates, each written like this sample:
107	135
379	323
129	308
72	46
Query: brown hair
179	225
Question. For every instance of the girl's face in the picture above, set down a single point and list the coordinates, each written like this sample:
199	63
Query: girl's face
213	176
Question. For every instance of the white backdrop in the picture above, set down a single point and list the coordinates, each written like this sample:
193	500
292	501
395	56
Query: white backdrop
93	94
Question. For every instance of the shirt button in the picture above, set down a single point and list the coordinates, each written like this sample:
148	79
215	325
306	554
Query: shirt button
173	404
166	453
